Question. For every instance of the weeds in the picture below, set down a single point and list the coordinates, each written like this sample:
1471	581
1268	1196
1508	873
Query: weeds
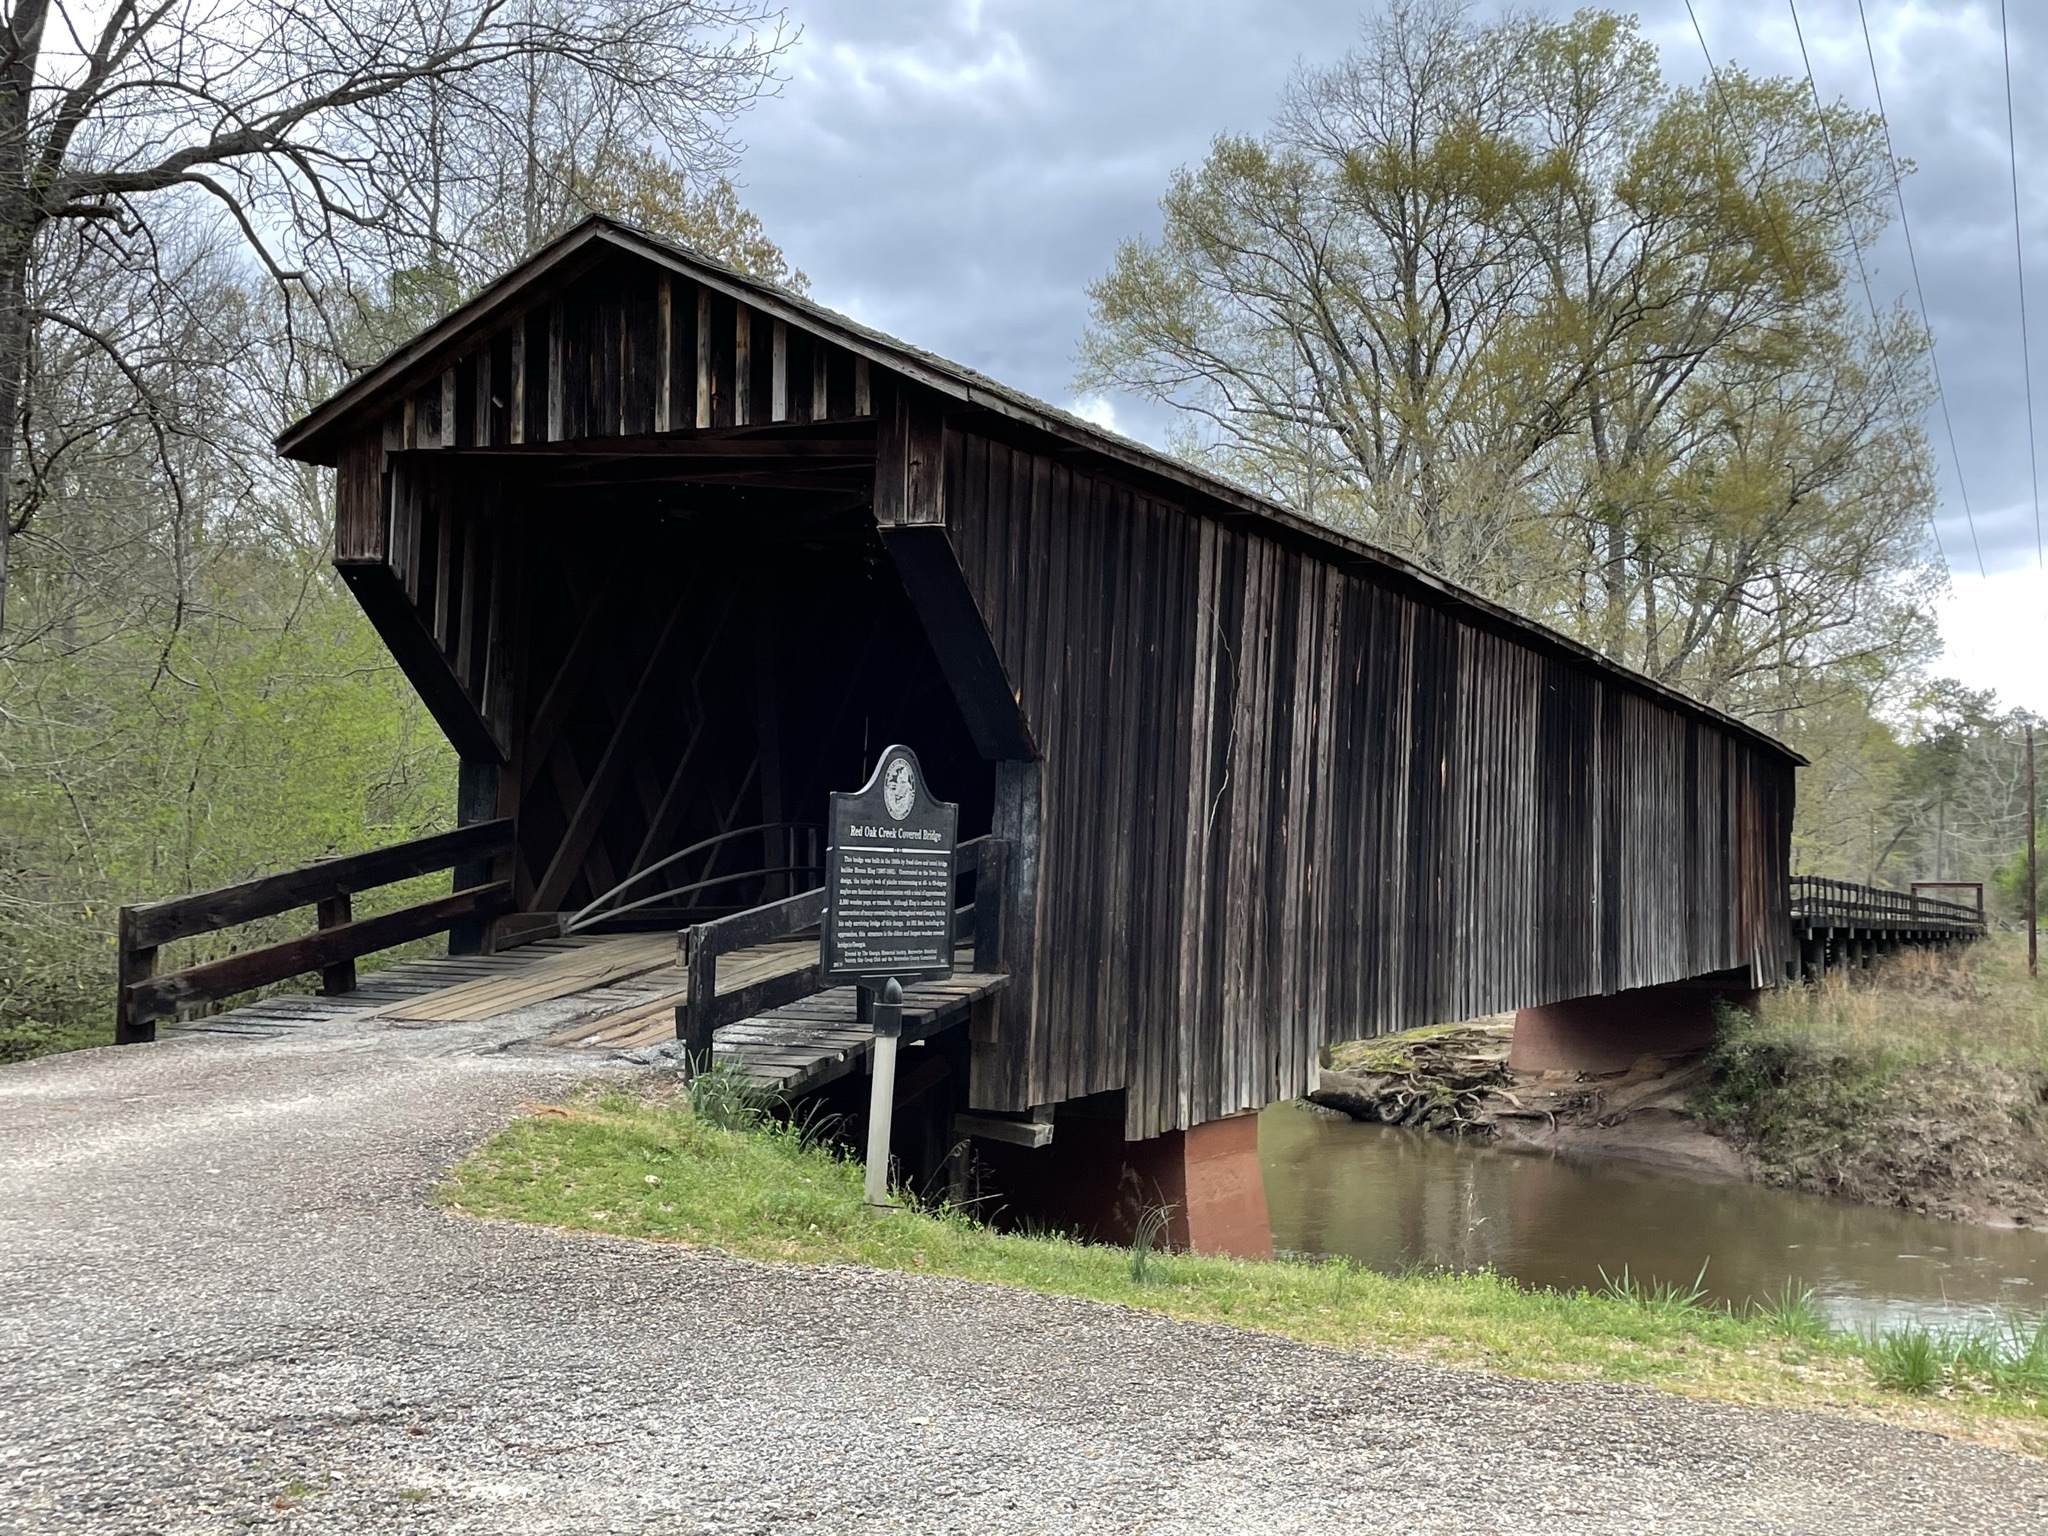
1903	1359
1974	1002
1662	1296
1795	1312
1920	1083
1145	1266
721	1094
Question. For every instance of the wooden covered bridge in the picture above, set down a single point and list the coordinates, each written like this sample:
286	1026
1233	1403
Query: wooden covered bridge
670	553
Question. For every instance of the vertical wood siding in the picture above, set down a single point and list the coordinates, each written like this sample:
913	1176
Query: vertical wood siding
1281	800
1284	805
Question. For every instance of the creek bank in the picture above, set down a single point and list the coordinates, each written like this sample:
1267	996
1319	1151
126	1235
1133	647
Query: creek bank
1944	1134
1950	1138
1456	1079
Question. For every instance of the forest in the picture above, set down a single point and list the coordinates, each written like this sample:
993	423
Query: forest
1499	296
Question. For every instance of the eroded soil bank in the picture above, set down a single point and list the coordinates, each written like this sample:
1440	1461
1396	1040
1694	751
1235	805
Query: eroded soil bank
1455	1079
1923	1088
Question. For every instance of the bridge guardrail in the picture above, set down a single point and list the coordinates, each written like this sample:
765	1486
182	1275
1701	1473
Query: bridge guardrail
983	858
143	996
1821	902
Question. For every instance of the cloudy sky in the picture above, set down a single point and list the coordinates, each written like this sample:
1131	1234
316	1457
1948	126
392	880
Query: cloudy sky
957	171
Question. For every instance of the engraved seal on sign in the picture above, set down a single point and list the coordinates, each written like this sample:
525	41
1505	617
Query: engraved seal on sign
899	789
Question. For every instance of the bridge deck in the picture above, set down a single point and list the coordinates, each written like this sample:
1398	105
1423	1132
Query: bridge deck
616	993
806	1044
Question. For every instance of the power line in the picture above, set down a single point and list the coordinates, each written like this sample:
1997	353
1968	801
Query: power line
1713	74
1728	111
1827	139
2019	260
1834	172
1919	293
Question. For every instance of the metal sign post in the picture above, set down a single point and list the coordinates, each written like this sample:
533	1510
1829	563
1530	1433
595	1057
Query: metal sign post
888	915
882	1091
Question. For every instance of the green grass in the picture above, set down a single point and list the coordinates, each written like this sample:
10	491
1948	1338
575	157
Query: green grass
1974	1003
641	1168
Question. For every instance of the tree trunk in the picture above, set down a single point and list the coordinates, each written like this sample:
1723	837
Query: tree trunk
14	332
22	43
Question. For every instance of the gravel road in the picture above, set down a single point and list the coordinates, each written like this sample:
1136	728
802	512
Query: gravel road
226	1301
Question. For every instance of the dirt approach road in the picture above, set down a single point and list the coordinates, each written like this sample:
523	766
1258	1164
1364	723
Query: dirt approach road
227	1301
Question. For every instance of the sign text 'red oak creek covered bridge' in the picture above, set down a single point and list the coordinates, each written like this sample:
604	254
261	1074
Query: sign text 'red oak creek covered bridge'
669	551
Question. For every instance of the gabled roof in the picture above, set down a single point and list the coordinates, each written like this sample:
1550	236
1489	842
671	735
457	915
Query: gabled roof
317	436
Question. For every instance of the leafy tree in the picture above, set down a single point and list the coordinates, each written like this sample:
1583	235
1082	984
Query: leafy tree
1499	297
187	695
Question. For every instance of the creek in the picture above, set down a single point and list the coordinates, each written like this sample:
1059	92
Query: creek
1396	1199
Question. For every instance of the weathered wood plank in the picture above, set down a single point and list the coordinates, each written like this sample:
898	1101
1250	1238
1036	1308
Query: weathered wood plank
360	516
154	923
1361	812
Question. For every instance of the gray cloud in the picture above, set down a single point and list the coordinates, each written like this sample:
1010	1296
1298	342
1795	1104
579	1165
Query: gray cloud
957	171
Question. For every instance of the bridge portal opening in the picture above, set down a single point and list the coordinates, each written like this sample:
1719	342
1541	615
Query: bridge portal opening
698	670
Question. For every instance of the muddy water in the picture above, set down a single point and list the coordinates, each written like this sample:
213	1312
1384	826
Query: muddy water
1395	1199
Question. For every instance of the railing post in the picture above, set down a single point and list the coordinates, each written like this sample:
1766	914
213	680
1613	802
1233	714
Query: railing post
339	977
133	965
693	1014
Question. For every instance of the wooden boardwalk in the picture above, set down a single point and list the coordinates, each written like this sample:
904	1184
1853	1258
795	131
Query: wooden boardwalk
620	992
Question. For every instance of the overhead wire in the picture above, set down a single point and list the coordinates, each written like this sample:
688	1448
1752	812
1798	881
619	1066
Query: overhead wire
1827	139
1919	292
1728	110
2012	147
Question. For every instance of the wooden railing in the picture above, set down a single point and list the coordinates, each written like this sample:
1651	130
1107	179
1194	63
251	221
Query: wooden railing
1842	903
984	858
341	938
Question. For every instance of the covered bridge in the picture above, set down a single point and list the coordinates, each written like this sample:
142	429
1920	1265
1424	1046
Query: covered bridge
669	552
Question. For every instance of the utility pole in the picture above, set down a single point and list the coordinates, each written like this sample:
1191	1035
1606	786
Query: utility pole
2033	897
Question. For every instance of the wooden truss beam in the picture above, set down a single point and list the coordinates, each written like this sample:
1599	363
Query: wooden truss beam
590	809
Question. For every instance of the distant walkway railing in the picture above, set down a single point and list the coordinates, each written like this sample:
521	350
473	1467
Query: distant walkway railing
1839	924
1842	903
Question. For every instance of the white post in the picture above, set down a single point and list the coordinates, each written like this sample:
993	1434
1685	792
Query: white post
882	1091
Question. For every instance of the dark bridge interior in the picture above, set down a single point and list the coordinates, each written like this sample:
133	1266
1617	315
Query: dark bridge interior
693	659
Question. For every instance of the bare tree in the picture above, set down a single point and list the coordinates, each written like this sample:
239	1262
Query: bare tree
306	124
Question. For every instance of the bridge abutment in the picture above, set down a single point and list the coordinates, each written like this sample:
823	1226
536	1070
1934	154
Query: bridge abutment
1092	1182
1609	1033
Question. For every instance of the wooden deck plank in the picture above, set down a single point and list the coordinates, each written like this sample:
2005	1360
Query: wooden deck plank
398	984
806	1044
658	994
612	958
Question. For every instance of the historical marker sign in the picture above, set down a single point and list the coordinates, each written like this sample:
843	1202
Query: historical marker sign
889	878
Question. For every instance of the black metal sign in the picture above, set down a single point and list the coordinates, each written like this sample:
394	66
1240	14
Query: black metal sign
889	878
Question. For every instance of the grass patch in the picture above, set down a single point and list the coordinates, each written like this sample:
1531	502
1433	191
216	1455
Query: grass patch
651	1169
1921	1007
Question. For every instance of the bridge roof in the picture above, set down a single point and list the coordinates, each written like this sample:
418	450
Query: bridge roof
318	436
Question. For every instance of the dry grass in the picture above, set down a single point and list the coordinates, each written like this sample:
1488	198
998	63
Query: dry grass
1974	1003
1922	1084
